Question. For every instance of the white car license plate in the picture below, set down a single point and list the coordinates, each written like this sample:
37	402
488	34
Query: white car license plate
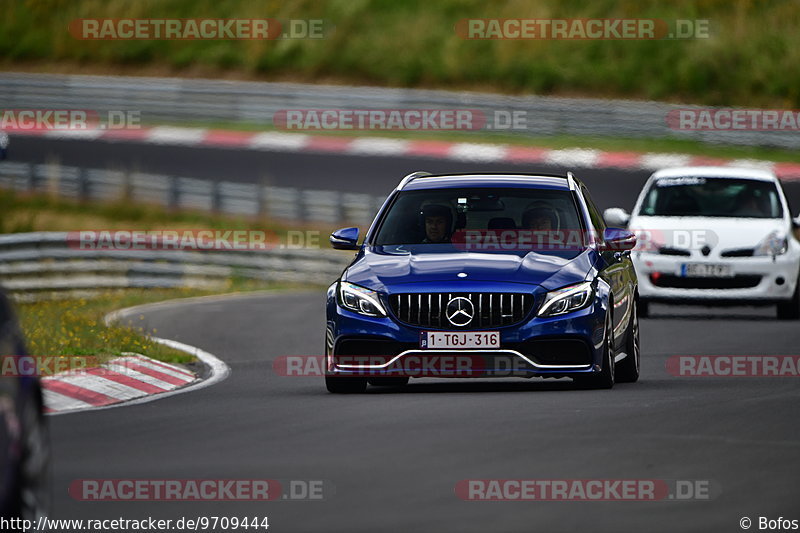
706	270
456	340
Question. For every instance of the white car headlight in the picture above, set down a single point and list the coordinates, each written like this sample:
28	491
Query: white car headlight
360	300
772	244
567	299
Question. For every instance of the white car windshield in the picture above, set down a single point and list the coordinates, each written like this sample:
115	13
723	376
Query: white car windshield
711	197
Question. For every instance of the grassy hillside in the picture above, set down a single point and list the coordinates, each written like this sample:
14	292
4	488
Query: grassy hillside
751	59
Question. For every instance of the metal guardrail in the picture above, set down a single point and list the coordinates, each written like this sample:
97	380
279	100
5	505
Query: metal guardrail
240	199
50	261
175	99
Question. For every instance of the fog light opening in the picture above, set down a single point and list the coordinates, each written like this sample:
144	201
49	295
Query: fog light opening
779	280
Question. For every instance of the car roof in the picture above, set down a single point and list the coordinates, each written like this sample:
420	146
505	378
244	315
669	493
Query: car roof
449	181
716	172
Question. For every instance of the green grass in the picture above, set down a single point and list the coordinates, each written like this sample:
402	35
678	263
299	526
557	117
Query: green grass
750	59
24	212
75	328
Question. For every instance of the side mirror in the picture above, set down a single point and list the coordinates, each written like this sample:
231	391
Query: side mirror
345	239
796	222
619	240
616	217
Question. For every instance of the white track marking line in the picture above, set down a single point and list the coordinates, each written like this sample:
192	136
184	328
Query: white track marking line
573	157
279	141
653	161
170	135
478	152
378	146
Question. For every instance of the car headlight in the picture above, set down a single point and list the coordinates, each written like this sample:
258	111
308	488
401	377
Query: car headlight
567	299
772	244
360	300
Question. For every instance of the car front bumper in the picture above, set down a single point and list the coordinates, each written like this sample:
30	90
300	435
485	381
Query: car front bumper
756	279
571	344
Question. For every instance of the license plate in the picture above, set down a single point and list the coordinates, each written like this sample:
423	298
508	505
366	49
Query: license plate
456	340
706	270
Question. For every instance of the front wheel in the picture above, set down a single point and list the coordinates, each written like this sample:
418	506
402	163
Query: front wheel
627	370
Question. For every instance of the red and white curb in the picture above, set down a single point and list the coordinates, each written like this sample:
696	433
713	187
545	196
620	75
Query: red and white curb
378	146
130	380
119	380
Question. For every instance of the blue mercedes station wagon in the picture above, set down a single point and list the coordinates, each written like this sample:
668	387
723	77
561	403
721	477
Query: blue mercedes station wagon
484	275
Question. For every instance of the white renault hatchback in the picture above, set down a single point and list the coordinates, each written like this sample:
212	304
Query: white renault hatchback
714	235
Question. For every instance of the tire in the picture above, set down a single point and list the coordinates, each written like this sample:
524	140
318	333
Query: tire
643	309
388	382
33	487
605	378
790	310
340	385
627	370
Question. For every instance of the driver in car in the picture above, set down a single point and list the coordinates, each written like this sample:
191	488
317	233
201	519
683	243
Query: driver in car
539	219
438	223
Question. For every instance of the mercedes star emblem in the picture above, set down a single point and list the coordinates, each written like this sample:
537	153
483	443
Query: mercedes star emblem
460	311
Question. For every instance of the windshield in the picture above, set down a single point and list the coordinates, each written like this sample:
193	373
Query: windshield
712	197
456	216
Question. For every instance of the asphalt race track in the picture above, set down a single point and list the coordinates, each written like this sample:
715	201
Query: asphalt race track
394	456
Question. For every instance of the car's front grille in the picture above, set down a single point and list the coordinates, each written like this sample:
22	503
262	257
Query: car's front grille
488	310
676	282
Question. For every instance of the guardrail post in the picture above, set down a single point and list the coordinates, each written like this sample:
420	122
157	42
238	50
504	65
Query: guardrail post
30	182
174	193
83	185
303	209
216	197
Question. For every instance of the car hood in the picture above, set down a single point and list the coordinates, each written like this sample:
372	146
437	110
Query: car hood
692	233
383	267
